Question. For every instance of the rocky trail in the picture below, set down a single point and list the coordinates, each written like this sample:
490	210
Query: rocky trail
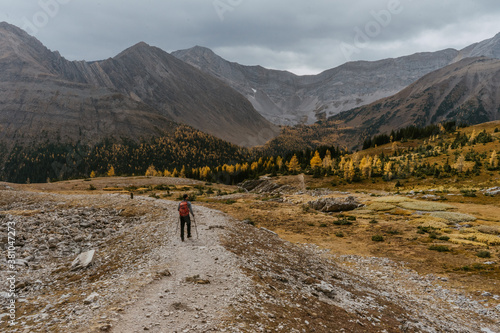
234	278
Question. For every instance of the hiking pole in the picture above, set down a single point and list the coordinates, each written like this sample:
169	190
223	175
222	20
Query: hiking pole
195	227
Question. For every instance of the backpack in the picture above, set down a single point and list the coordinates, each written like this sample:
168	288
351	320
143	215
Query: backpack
184	208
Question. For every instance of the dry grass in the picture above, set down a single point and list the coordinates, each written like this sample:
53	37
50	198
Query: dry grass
380	206
488	229
461	241
454	217
429	221
392	199
424	206
479	237
21	212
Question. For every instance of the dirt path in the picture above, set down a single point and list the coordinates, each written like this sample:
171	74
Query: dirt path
204	281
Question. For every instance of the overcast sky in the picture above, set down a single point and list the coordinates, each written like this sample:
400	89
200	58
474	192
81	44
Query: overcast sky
304	37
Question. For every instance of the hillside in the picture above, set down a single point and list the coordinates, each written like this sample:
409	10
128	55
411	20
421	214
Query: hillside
139	93
288	99
466	91
417	252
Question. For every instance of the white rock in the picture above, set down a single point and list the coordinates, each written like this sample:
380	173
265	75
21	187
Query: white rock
91	299
83	260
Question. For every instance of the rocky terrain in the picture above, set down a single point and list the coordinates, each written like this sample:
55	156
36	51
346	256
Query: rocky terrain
229	277
288	99
141	92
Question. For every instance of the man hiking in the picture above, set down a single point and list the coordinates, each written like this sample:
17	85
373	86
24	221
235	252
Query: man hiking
184	209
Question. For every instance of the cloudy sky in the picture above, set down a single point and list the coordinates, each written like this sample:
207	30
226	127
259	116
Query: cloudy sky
304	37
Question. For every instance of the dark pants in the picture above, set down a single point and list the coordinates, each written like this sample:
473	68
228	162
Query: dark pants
185	220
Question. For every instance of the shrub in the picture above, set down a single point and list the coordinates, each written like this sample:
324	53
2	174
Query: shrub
339	234
469	193
439	248
484	254
378	238
229	202
373	221
323	225
92	187
422	230
444	238
342	222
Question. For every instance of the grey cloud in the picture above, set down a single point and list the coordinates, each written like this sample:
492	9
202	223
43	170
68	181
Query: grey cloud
293	34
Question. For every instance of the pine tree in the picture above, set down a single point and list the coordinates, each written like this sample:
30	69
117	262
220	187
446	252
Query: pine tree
316	161
473	136
327	161
349	171
279	163
459	166
293	165
151	171
493	160
175	173
111	171
388	170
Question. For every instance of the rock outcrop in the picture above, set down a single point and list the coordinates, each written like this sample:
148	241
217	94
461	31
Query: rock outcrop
329	205
265	185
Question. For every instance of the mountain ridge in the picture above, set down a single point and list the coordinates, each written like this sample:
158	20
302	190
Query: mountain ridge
291	99
159	87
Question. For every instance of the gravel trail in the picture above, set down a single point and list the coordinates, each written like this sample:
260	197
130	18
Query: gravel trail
204	280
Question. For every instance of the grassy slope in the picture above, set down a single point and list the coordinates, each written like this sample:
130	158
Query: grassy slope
397	222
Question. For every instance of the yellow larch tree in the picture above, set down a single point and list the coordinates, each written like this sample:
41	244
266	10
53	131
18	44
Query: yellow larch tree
316	161
494	159
293	165
111	171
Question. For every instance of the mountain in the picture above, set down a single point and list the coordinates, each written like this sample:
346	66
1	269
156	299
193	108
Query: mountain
465	91
141	92
38	103
488	48
285	98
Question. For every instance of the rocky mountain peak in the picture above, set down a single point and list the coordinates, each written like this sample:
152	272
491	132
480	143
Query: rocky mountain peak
488	48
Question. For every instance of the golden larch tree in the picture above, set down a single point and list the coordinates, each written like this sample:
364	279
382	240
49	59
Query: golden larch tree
293	165
316	161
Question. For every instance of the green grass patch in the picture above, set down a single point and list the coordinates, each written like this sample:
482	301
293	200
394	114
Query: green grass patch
484	254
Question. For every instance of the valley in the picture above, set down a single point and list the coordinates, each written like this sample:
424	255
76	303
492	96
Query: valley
419	256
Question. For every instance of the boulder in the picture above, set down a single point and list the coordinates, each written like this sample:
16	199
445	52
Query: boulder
265	185
91	299
492	191
83	260
328	205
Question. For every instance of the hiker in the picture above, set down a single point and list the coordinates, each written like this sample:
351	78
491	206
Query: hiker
184	209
